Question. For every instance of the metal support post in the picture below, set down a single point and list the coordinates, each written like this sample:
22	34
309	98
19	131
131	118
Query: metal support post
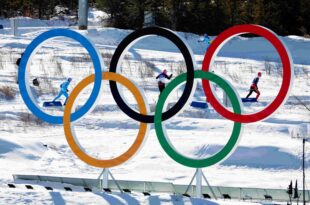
205	178
104	180
199	183
191	182
198	175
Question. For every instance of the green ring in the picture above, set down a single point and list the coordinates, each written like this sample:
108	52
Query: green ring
164	141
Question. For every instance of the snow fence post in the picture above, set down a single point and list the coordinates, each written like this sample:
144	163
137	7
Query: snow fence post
14	26
83	14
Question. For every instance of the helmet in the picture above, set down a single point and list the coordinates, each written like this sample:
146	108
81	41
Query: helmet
69	79
259	74
164	71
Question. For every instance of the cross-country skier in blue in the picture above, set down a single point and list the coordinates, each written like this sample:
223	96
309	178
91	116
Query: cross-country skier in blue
205	39
64	90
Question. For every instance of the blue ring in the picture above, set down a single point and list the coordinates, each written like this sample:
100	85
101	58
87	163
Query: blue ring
22	74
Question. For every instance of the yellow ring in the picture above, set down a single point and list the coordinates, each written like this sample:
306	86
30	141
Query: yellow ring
72	139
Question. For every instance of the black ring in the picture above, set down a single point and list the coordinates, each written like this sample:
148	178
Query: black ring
126	42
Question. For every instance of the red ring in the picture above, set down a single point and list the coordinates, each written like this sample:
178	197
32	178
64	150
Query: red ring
287	79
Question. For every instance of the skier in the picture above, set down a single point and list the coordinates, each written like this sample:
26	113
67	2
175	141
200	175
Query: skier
18	62
206	39
64	90
254	87
161	80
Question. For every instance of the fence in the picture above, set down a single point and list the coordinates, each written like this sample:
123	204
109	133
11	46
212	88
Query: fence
239	193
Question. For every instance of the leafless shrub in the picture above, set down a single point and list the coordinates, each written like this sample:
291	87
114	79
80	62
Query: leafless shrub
142	69
46	85
220	65
306	35
127	63
177	67
147	69
180	68
278	68
7	92
16	77
59	70
268	67
306	73
107	56
84	58
50	88
30	119
109	22
235	77
278	71
251	68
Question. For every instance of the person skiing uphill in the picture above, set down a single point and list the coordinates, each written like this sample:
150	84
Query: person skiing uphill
205	39
161	80
254	87
64	90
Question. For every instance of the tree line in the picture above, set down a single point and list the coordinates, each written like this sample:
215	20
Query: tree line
285	17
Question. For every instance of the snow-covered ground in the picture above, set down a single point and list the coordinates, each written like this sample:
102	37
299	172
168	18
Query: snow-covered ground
267	156
62	198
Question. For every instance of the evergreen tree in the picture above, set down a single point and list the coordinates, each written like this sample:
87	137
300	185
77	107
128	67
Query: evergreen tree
305	17
198	16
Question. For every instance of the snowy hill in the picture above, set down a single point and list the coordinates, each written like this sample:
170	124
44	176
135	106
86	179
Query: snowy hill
267	156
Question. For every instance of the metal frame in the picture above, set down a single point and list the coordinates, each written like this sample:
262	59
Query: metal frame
244	193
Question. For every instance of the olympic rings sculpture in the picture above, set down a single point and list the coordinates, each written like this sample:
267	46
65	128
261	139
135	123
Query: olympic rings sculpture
143	115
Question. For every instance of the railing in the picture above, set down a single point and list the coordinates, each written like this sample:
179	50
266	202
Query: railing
239	193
